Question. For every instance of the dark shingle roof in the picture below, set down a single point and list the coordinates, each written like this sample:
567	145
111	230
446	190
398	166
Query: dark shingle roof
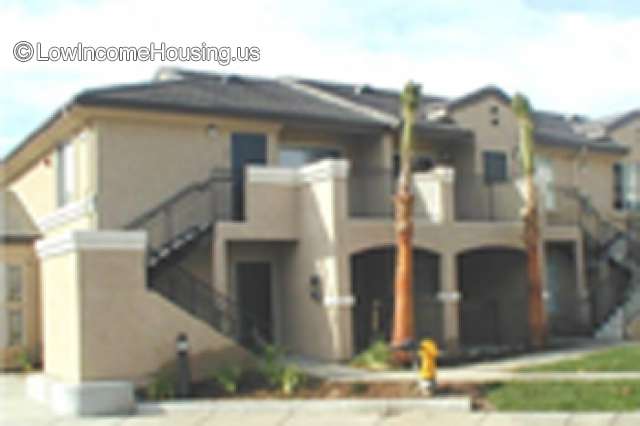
569	131
618	120
387	101
478	94
224	94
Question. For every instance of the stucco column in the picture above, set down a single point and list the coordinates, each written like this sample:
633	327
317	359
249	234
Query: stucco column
581	283
449	296
434	194
323	325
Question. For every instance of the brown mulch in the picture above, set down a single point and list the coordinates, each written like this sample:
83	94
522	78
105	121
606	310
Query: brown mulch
319	389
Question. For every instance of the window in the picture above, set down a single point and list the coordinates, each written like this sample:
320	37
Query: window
16	335
299	156
495	121
545	179
495	166
14	284
626	186
66	175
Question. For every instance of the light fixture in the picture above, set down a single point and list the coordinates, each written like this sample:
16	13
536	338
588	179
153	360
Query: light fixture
212	131
315	290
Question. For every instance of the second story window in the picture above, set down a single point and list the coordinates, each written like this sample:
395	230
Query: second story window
66	174
626	186
291	156
495	166
544	176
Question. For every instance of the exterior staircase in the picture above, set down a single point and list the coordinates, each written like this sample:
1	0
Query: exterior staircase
178	226
607	243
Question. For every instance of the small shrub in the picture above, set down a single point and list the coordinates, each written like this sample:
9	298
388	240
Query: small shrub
161	387
359	388
378	356
291	380
228	378
287	378
24	361
271	366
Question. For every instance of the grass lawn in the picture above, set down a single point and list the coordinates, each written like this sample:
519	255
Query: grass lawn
565	396
625	358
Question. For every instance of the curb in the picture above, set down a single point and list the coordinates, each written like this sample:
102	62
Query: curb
454	403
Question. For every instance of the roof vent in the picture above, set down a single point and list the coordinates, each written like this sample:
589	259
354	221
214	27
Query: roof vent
167	73
362	89
230	78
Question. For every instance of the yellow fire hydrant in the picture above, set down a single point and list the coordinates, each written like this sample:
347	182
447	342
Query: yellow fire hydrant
428	352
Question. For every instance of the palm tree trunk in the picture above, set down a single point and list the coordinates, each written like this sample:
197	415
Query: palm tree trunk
403	315
531	218
533	247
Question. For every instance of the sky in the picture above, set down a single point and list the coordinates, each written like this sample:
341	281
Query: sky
573	56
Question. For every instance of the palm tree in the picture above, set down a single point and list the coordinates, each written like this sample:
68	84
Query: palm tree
531	218
403	318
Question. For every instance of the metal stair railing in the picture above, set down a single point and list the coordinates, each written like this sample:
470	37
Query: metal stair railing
200	299
199	204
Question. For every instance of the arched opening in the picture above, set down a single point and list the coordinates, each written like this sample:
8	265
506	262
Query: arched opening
372	277
494	305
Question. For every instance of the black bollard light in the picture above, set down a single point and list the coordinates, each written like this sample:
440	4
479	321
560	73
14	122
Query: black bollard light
184	372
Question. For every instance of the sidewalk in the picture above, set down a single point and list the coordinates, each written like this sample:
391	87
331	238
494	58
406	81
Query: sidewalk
15	410
483	372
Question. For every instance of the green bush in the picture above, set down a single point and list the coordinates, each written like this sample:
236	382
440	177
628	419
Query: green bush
378	356
277	374
24	361
291	380
161	387
228	378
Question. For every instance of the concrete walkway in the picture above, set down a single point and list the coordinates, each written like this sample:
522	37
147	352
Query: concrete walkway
15	410
482	372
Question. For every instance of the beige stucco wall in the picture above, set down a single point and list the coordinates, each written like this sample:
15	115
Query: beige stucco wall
36	187
144	160
629	135
103	324
503	137
22	254
61	317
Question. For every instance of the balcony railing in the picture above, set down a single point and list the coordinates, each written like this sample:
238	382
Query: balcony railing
371	193
480	200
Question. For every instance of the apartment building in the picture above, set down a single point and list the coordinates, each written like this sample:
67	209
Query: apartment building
244	210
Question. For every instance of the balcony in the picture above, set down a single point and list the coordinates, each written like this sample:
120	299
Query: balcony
279	200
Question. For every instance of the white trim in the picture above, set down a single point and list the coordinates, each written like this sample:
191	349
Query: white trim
321	170
449	296
91	240
67	214
324	170
274	175
339	301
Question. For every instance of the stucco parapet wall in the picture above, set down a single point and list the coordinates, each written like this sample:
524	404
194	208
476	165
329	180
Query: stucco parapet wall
318	171
91	240
439	174
67	214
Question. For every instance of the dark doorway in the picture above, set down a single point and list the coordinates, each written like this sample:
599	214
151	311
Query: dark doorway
253	280
246	148
372	275
494	306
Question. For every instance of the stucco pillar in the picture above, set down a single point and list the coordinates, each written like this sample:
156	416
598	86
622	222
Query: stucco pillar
449	296
581	283
323	325
434	194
